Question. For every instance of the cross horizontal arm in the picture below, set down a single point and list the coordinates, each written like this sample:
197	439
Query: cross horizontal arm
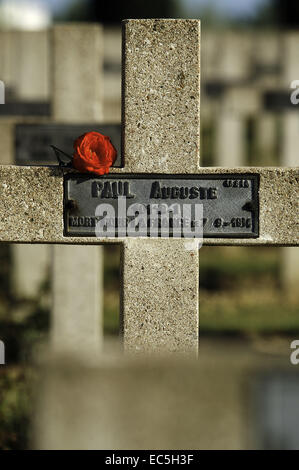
32	205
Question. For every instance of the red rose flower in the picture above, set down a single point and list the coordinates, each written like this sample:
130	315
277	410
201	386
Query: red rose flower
94	153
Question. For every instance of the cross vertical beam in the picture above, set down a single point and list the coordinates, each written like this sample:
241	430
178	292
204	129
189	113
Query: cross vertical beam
77	299
161	91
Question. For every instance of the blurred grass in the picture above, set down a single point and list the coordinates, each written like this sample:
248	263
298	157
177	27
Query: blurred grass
248	312
233	267
111	289
240	292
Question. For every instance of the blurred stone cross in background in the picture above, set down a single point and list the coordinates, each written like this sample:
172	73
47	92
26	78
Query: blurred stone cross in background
26	140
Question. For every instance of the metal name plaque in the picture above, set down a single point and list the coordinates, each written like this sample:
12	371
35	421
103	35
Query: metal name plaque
230	202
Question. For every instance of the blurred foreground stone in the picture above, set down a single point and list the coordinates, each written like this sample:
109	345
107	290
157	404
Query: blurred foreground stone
123	402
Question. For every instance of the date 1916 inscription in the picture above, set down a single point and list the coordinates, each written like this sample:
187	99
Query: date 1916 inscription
230	202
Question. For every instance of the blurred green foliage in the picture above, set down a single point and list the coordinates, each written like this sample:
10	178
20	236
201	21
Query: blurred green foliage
15	407
240	292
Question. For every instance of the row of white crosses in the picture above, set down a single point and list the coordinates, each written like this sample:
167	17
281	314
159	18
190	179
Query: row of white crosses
159	293
240	101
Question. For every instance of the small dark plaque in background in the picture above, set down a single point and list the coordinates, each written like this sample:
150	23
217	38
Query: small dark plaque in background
230	202
33	141
215	88
20	108
278	100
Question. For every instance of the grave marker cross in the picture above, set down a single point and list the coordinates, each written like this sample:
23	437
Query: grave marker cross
159	294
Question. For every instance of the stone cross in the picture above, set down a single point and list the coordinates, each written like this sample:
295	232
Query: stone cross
160	278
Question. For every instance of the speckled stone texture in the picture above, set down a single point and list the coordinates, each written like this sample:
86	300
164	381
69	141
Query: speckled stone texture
161	95
31	206
161	134
76	65
160	296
